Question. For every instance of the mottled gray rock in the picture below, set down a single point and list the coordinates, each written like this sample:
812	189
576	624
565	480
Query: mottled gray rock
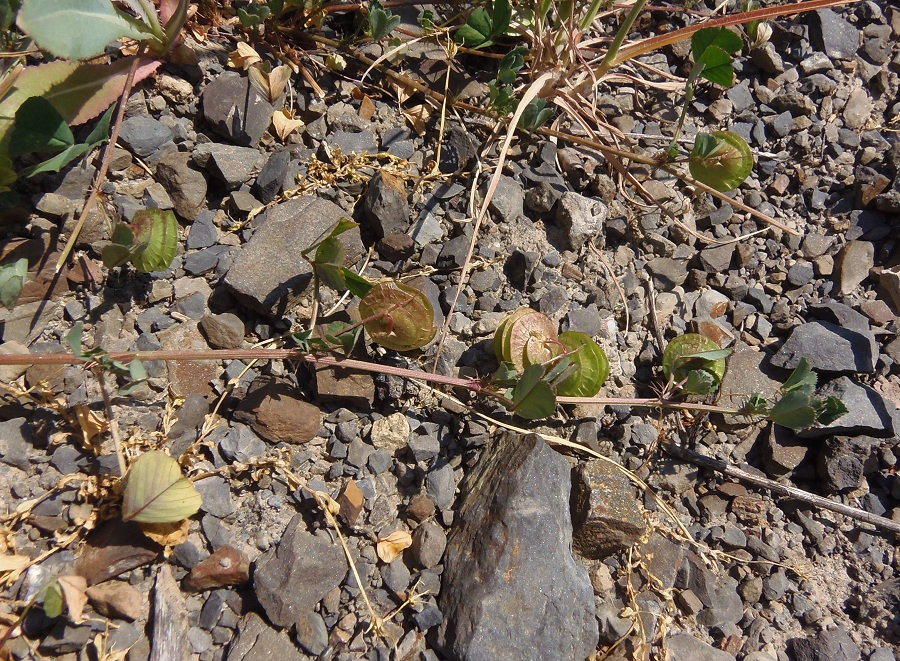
267	278
605	513
717	259
721	602
311	634
241	444
684	647
869	412
257	640
829	348
144	135
667	273
457	151
508	201
291	579
580	217
236	110
853	264
271	178
832	34
203	232
185	186
222	331
440	485
747	371
840	315
518	493
832	645
216	494
385	205
229	164
16	443
429	544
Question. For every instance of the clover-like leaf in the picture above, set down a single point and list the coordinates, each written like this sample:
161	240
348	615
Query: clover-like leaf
829	410
398	316
722	160
157	492
590	362
157	231
794	410
12	280
684	355
477	31
533	397
802	378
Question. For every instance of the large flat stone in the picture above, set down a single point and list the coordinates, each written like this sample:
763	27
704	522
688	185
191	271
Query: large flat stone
269	275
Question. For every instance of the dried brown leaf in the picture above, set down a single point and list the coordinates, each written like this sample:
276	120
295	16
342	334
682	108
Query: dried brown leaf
278	80
284	122
13	562
167	534
417	116
244	57
73	589
389	548
91	424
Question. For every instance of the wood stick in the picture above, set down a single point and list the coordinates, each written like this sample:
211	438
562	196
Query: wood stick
782	490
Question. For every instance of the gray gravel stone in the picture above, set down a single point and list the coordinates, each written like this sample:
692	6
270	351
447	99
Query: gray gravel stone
222	331
236	110
832	34
264	276
440	485
185	186
580	217
144	135
869	412
291	579
684	647
203	232
519	491
229	164
829	348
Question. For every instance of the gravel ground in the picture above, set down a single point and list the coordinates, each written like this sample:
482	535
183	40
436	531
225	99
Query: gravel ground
493	515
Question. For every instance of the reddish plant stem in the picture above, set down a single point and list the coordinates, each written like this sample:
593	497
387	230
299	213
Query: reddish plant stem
472	385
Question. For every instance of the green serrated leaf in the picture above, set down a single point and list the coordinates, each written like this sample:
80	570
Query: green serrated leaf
157	492
61	160
829	410
794	410
115	254
356	284
723	38
532	397
801	378
699	382
756	405
716	66
39	128
329	262
12	280
77	29
336	334
157	230
477	31
502	14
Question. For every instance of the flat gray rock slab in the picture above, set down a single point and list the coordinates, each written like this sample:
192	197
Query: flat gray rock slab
511	587
269	274
302	569
829	348
868	411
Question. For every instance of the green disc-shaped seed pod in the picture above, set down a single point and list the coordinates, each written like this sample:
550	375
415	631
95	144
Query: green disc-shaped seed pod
398	316
590	363
722	160
683	355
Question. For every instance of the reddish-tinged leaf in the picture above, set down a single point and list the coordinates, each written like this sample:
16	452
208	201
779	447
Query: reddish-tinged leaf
79	92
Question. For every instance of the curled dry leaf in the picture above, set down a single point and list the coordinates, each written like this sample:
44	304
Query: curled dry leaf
244	57
167	534
13	562
389	548
91	424
328	502
417	116
284	122
73	591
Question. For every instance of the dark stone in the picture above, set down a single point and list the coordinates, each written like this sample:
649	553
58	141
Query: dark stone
832	645
869	412
385	205
203	232
267	278
517	495
605	513
144	135
271	178
829	348
291	579
457	151
833	35
186	186
257	640
236	110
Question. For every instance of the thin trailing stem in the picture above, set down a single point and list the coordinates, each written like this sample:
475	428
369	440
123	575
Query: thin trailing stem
473	385
113	423
105	161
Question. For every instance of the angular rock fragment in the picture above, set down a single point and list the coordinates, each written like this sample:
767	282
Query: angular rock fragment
605	514
829	348
511	588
